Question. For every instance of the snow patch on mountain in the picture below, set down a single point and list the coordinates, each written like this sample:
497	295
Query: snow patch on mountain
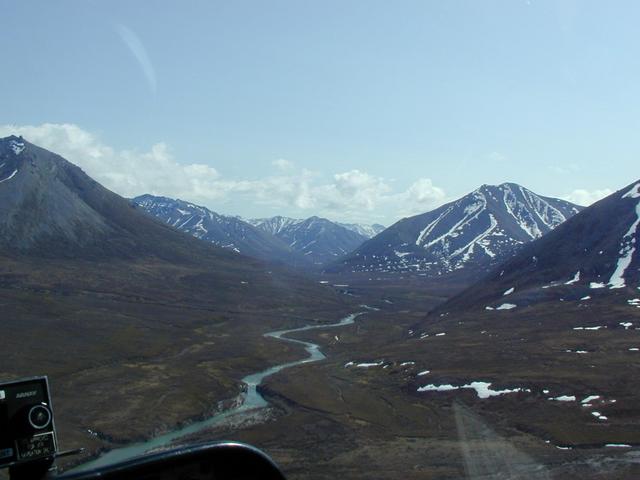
627	245
274	225
634	192
575	279
16	146
13	174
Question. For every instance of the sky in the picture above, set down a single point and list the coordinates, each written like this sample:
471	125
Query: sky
363	111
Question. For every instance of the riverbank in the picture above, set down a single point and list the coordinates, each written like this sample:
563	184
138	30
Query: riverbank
249	402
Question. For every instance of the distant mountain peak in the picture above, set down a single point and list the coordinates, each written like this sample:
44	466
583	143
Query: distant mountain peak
15	144
273	225
591	254
365	230
318	239
11	138
475	231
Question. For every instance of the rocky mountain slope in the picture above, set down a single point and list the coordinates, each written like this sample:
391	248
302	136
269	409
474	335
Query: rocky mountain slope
318	239
231	233
473	233
51	208
591	254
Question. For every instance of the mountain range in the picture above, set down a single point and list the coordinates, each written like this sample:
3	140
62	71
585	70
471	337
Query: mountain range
50	208
306	243
154	308
474	233
594	253
318	239
231	233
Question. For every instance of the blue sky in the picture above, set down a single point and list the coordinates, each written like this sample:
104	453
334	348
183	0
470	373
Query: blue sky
355	110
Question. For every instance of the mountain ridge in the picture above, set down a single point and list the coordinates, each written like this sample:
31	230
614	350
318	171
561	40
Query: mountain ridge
319	239
228	232
51	209
592	253
473	232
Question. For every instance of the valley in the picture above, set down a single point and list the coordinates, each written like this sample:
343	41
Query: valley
362	411
510	346
373	240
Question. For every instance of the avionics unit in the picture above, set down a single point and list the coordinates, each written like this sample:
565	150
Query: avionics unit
27	431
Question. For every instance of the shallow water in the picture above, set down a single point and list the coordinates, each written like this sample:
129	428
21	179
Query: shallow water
249	402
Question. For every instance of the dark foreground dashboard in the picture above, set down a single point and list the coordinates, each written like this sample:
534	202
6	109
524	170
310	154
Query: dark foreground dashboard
212	461
29	448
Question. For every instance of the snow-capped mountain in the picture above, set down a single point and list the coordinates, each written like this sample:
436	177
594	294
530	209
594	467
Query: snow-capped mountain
368	231
274	225
300	243
228	232
318	239
592	253
50	207
475	232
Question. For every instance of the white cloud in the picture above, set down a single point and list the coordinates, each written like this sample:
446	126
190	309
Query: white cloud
587	197
126	172
282	164
353	195
422	196
356	189
424	193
